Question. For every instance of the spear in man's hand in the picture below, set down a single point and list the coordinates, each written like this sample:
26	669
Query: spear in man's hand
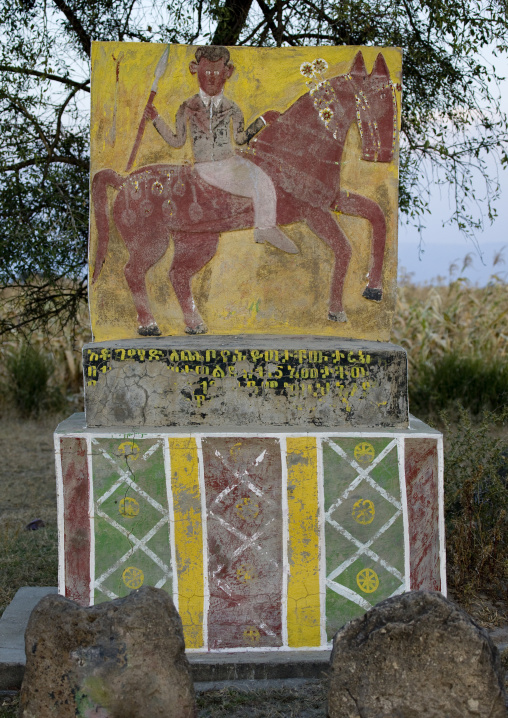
159	71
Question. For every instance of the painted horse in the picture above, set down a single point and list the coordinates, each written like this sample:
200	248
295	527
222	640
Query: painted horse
301	151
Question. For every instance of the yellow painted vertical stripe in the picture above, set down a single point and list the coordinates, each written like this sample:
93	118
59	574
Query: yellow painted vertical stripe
303	600
188	538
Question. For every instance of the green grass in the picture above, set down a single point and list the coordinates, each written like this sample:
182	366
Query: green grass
9	707
27	558
479	382
29	370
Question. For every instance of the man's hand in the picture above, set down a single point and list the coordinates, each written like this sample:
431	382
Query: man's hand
150	112
270	116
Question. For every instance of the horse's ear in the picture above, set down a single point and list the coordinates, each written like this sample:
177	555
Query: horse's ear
380	68
358	67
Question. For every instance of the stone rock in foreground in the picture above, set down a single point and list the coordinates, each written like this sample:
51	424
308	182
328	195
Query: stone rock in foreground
121	659
415	656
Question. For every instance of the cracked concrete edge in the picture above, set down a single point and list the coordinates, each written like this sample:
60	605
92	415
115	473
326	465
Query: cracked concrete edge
76	425
245	341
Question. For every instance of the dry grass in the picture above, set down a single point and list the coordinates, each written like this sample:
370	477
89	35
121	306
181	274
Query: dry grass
305	701
433	321
27	477
62	346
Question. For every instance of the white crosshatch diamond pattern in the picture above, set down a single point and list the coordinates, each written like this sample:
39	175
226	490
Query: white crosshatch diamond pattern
362	548
136	544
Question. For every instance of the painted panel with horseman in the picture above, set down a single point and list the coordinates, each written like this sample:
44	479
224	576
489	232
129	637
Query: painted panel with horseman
243	190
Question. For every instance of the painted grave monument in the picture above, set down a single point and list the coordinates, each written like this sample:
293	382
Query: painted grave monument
247	444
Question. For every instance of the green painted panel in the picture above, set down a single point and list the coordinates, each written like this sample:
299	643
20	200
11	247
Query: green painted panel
132	527
385	543
339	611
369	580
361	517
362	450
339	473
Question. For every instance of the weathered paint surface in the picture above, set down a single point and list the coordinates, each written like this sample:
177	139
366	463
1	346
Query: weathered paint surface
188	530
74	464
303	591
331	155
274	541
131	516
421	459
316	380
363	526
243	479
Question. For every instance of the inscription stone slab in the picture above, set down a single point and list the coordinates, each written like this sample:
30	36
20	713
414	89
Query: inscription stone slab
211	381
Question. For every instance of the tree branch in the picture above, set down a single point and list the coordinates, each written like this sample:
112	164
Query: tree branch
253	33
15	103
198	29
78	28
46	76
42	160
268	15
57	133
233	16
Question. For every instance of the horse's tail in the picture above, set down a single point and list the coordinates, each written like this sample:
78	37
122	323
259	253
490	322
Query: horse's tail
100	183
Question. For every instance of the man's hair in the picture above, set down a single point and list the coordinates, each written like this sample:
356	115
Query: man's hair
213	53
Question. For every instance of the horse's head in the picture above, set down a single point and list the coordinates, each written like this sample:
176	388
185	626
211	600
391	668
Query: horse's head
369	98
376	109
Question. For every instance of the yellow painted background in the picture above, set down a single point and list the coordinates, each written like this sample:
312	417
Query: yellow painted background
303	596
246	287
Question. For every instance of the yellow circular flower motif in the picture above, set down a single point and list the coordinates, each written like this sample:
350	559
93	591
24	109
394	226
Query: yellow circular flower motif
129	449
363	511
364	453
133	577
251	634
246	510
246	572
128	507
320	65
307	69
367	580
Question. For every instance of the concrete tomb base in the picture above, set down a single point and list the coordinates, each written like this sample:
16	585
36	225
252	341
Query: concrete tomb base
266	539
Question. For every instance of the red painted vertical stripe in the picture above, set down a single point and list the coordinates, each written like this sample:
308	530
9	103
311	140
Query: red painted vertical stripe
76	519
421	466
243	482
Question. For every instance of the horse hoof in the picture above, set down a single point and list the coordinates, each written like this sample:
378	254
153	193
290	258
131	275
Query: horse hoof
151	330
337	316
375	295
200	329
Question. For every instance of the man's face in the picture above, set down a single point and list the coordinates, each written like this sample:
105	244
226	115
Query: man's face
212	76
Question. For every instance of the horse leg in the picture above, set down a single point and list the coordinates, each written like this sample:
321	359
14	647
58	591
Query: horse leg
192	251
359	206
322	223
135	271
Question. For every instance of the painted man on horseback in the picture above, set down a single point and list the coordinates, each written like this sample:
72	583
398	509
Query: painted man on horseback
210	116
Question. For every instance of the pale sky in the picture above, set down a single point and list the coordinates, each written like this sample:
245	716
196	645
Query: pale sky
445	246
